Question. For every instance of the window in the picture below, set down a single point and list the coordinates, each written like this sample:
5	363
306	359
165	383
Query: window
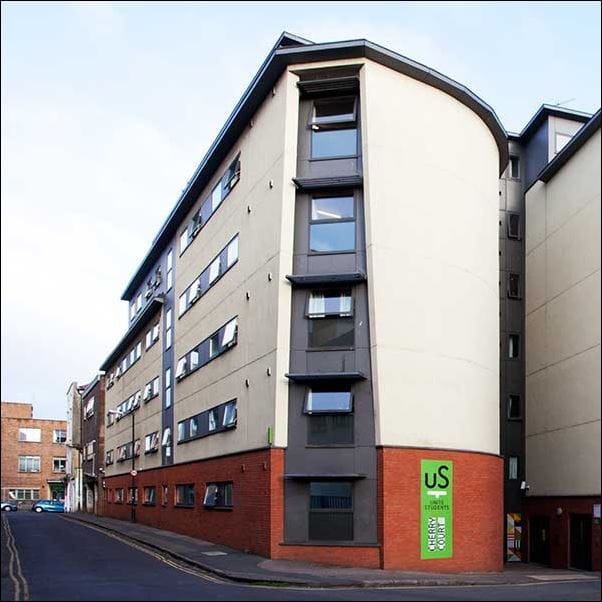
218	495
329	400
137	447
168	387
226	258
332	224
89	450
156	386
513	468
59	464
132	495
150	496
24	494
334	128
514	167
59	436
215	420
330	429
513	346
331	333
168	325
229	414
151	443
139	302
327	303
514	407
166	441
132	310
29	463
514	286
218	343
169	271
514	226
89	408
164	495
109	457
185	495
119	495
561	141
31	435
330	511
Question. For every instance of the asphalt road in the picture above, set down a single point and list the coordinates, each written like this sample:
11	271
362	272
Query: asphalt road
45	557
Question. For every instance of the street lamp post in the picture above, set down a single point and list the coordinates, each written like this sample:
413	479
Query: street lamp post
133	471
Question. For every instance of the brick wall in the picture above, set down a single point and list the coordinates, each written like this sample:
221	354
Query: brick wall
12	448
559	536
477	510
249	525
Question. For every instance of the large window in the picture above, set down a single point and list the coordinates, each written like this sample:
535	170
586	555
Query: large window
211	203
334	128
332	224
331	323
218	495
215	345
216	420
29	463
168	328
24	494
330	421
185	495
210	275
30	435
330	511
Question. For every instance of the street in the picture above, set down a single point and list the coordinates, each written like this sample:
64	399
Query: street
45	557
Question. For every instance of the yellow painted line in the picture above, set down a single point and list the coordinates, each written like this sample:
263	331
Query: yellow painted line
20	584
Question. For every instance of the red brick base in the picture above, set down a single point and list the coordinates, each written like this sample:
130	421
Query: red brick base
477	510
559	536
254	522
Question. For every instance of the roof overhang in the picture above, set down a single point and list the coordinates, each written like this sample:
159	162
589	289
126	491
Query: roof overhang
543	113
292	50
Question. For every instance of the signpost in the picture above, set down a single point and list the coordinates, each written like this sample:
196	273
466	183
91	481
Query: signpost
436	509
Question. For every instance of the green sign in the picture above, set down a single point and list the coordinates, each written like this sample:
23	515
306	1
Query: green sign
436	499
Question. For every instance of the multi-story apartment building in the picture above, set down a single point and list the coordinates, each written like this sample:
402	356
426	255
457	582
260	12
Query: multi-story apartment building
33	455
92	452
311	368
563	452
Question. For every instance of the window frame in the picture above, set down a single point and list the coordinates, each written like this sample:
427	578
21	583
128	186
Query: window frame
30	430
219	487
55	438
61	459
509	233
145	498
346	511
518	166
509	399
29	463
325	125
343	220
186	503
310	390
519	293
203	419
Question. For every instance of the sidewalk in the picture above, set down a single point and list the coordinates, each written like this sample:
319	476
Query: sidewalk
250	568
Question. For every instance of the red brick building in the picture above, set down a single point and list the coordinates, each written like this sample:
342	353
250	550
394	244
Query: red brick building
33	455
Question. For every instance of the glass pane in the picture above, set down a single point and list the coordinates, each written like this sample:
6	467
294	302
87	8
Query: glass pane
229	332
216	197
328	429
514	410
214	270
194	427
333	111
331	332
333	143
332	237
332	208
330	495
335	302
182	309
229	414
232	252
513	467
331	526
328	401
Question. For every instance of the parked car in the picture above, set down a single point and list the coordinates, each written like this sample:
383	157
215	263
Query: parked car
9	507
48	506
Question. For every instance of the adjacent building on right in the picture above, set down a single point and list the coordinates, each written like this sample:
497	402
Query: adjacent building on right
562	304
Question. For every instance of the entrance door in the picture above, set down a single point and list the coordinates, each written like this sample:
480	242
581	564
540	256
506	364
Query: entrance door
581	542
539	540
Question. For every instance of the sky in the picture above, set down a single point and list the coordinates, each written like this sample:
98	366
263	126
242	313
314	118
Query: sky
107	109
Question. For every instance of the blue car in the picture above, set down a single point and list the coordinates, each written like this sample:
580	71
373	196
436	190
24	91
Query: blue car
48	506
9	507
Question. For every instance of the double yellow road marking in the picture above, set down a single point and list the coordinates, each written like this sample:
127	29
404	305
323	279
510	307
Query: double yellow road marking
20	585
